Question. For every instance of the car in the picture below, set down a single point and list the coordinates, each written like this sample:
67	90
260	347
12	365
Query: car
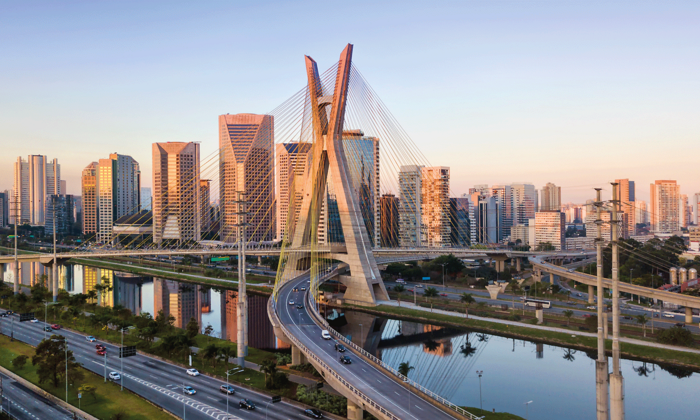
247	404
47	328
339	347
668	315
325	335
409	290
345	359
295	289
90	338
55	327
189	390
227	389
656	315
300	306
4	315
10	312
587	315
100	346
34	321
193	372
114	376
579	295
443	294
313	413
627	317
680	324
303	289
420	286
591	307
291	302
101	352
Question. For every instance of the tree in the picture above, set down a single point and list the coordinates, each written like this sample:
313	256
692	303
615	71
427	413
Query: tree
676	335
273	378
89	390
192	328
50	359
592	322
20	361
467	349
467	298
92	294
569	355
208	330
430	292
399	288
544	246
225	353
211	353
568	314
164	322
404	368
642	320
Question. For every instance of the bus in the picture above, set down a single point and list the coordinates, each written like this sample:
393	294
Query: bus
534	302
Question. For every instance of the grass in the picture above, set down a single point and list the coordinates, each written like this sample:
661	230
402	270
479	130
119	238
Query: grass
109	400
633	351
490	415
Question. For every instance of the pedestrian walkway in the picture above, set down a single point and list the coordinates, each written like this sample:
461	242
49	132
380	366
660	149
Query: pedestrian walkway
536	327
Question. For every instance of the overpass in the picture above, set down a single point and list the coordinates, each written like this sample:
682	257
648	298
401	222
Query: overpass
689	302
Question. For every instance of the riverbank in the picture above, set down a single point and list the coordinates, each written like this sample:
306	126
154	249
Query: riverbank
585	341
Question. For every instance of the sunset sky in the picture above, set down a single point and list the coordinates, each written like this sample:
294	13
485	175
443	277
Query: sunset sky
572	92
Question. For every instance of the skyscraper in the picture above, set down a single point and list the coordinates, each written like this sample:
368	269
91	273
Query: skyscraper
504	196
246	166
435	187
488	221
389	220
550	227
146	198
205	212
685	211
293	160
35	178
181	300
89	191
460	235
551	198
176	205
410	206
665	209
362	154
118	192
523	203
625	193
4	208
59	208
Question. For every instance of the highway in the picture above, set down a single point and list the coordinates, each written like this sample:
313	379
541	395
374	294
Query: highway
362	375
25	404
160	382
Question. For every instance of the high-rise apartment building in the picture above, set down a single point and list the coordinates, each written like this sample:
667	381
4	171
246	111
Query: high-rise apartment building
389	221
626	195
59	210
35	179
664	209
89	191
551	198
460	224
180	302
205	212
685	211
435	206
146	198
488	220
524	199
292	162
4	208
550	226
176	203
362	156
642	214
246	166
410	206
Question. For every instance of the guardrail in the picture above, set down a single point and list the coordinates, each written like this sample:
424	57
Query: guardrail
320	320
311	355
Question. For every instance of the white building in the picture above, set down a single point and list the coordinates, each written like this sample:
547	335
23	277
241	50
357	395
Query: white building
550	226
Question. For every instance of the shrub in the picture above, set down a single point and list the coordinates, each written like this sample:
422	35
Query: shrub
676	335
514	317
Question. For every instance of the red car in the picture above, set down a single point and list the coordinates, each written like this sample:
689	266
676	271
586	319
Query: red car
443	294
101	352
55	327
100	347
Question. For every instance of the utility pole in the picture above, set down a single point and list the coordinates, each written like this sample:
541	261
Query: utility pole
17	218
54	267
242	306
601	371
617	399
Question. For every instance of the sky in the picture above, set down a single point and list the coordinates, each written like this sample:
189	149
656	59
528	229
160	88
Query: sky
577	93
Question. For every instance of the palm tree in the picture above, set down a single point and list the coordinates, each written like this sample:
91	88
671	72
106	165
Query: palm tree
468	299
569	355
431	345
467	349
211	353
225	353
430	292
92	295
568	314
399	288
483	337
642	370
642	319
404	368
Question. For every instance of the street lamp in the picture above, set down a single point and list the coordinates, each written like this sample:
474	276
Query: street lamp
409	394
527	408
443	275
481	405
228	372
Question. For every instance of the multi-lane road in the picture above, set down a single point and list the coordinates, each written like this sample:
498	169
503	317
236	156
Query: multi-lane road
157	381
24	404
362	375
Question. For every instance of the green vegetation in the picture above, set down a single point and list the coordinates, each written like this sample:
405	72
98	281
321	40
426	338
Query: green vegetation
676	335
490	415
331	403
405	368
105	402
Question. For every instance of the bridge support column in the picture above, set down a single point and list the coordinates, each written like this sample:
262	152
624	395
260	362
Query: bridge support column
298	357
540	315
355	412
689	315
500	263
49	278
493	290
601	389
517	264
16	277
537	275
591	294
617	397
605	326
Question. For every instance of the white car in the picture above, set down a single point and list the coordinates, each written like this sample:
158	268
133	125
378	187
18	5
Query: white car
420	286
668	315
189	390
303	289
193	372
90	338
325	335
35	320
291	302
591	307
114	376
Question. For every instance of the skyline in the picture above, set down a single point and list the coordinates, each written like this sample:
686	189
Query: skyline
504	84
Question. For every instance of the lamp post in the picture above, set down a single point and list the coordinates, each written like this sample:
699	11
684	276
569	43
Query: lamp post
527	408
184	403
481	405
443	276
228	372
65	341
121	376
409	395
